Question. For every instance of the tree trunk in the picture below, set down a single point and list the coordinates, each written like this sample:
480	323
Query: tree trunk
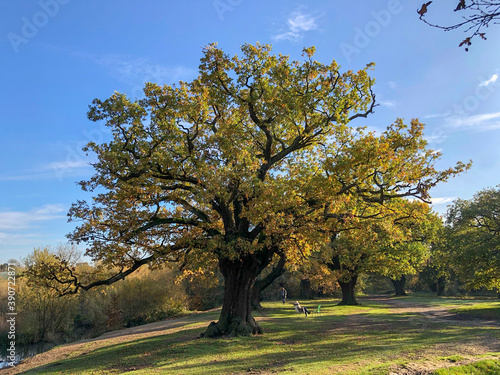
399	286
433	287
256	292
263	283
348	297
236	316
441	286
305	289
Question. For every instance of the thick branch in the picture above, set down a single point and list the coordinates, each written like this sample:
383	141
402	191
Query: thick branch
170	220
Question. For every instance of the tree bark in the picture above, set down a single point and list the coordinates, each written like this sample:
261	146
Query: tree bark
399	286
433	287
347	287
256	292
305	289
441	286
236	317
261	284
348	296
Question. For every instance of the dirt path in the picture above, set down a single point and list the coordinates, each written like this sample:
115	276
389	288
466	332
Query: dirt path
433	312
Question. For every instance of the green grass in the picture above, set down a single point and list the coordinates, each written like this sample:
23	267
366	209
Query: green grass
488	367
431	299
482	310
367	339
452	358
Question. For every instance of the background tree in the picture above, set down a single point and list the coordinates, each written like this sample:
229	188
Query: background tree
233	167
319	278
144	297
389	243
410	256
399	285
471	246
275	270
477	15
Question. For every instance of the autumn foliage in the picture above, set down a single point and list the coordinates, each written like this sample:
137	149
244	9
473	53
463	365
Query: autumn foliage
253	160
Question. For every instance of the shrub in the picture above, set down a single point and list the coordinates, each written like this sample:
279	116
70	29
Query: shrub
42	315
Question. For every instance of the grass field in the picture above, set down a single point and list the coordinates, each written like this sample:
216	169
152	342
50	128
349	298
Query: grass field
415	335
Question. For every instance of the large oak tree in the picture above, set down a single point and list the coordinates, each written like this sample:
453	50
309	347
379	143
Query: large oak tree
237	166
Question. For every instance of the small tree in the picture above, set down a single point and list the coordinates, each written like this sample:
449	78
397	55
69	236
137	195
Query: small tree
43	316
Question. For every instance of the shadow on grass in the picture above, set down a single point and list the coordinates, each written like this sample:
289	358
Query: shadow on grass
124	356
162	325
491	312
368	334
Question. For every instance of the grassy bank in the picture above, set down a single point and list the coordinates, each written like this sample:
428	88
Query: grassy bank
375	338
488	367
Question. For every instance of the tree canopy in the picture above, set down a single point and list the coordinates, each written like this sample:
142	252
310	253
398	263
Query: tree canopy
471	242
392	240
237	166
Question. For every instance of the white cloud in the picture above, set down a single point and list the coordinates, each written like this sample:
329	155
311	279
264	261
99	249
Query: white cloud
435	115
443	200
377	131
436	137
488	82
58	165
136	71
301	22
17	220
388	103
56	169
297	23
27	176
485	121
76	167
19	239
140	70
481	122
49	209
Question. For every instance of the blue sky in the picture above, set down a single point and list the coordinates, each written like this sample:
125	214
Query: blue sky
58	55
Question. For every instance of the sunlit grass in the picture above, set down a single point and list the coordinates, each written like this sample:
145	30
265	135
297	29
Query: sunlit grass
483	310
488	367
431	299
366	339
